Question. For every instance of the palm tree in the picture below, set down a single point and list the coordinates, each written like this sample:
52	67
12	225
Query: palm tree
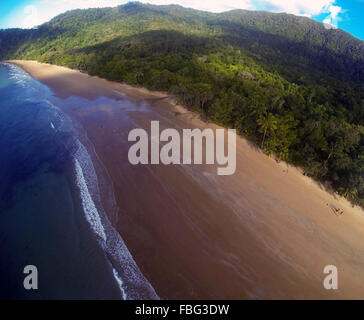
267	122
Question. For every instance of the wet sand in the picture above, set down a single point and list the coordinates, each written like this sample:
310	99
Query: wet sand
265	232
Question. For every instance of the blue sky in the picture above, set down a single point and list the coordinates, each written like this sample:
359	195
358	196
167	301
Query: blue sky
345	14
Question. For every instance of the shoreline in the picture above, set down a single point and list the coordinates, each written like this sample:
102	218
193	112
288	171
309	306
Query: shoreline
102	221
269	204
93	87
116	90
94	197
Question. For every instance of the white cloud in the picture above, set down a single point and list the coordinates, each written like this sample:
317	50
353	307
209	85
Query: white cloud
332	19
40	11
299	7
307	8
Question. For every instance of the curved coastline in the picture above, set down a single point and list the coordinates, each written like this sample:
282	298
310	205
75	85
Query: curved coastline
96	198
270	208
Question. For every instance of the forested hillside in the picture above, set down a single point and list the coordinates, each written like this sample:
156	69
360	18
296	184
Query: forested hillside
288	83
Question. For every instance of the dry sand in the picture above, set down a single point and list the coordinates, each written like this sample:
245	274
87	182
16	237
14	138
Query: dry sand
264	232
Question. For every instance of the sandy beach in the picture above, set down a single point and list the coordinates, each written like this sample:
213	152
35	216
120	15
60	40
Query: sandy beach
267	231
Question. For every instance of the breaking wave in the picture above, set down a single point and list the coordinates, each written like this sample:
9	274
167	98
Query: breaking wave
132	283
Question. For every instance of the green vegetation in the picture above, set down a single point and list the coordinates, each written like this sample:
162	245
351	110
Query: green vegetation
287	83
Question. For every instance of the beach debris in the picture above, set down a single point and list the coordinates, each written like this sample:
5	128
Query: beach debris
338	212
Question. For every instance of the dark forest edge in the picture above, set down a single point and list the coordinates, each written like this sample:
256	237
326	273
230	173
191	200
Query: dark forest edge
289	84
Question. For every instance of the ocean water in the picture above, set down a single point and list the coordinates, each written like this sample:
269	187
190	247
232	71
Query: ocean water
50	210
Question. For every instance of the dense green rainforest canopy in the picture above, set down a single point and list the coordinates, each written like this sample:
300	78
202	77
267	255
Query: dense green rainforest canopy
290	84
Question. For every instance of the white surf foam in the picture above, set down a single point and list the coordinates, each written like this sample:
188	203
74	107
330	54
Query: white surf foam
120	282
132	283
88	205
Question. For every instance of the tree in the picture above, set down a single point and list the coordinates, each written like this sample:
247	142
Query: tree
267	122
351	194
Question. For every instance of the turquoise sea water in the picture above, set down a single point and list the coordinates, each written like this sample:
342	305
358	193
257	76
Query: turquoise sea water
48	216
